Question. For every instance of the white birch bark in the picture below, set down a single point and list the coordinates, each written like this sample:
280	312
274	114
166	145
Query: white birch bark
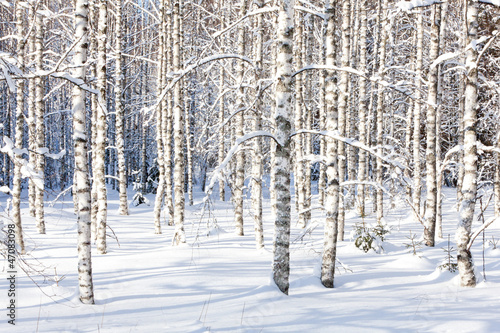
300	191
239	180
380	110
16	181
439	182
31	120
167	119
363	98
40	125
417	111
432	109
160	114
120	112
93	20
469	188
179	234
343	105
82	184
332	190
257	159
461	108
283	120
101	128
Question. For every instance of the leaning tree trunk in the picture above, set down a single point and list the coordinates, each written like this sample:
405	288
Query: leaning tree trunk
332	190
101	128
120	112
283	119
469	188
432	109
179	234
16	188
82	184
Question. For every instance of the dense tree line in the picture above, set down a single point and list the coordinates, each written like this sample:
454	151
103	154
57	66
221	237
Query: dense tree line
346	100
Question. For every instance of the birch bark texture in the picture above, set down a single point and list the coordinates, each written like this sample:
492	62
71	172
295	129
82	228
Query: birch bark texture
239	181
179	234
283	121
432	109
120	111
16	181
101	128
332	189
40	125
469	186
82	183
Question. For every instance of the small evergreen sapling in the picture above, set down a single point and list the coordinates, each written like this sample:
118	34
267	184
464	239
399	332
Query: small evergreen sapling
449	264
414	245
370	238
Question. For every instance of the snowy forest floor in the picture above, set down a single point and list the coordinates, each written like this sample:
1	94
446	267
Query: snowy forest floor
219	282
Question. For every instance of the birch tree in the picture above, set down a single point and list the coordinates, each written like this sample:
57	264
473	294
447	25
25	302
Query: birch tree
179	234
16	181
120	110
432	109
82	184
40	125
257	158
332	189
343	104
362	106
101	128
469	187
283	120
417	111
239	180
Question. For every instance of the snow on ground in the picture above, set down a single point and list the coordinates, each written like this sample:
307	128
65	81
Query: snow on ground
218	282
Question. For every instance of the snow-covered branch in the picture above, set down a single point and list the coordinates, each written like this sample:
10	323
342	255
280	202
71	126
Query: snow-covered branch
352	142
218	171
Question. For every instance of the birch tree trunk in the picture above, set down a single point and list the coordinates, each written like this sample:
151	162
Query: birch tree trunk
332	190
363	98
257	159
167	118
469	189
432	109
160	114
179	234
101	128
380	110
40	126
239	181
300	191
283	120
120	112
439	182
461	109
417	111
343	109
16	181
82	184
31	120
